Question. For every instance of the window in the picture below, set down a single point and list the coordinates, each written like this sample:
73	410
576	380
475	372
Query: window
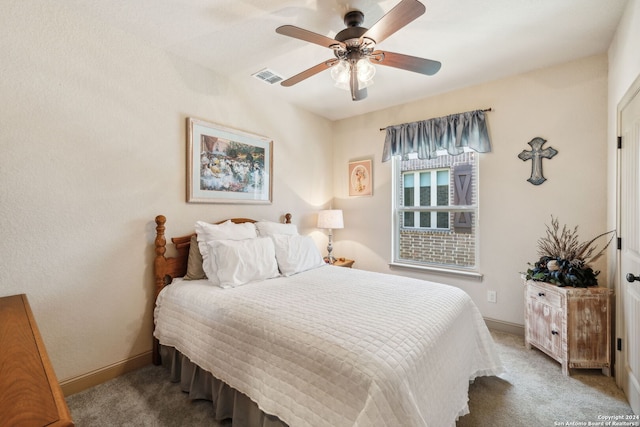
426	188
435	208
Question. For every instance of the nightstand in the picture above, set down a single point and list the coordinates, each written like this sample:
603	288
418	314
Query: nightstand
572	325
343	262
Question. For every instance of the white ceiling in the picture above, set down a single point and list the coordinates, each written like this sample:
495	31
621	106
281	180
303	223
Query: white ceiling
476	41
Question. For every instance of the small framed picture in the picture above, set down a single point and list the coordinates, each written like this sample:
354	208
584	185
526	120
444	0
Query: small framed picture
226	165
360	178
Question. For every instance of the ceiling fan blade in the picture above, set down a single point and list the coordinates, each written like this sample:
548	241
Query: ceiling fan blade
308	36
309	72
402	14
356	95
406	62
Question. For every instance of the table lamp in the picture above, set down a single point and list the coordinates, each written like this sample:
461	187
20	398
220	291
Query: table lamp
330	219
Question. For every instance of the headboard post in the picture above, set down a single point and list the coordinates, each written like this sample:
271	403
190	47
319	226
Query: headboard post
158	263
160	243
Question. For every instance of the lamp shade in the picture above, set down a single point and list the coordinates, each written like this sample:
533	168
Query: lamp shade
330	218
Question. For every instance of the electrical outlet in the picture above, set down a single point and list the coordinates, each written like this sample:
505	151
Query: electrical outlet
492	296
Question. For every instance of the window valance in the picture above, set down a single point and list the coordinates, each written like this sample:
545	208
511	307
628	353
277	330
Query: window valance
451	133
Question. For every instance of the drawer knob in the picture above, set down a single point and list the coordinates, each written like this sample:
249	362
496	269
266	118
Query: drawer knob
554	332
540	294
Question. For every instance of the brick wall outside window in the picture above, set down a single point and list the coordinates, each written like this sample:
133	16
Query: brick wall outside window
442	247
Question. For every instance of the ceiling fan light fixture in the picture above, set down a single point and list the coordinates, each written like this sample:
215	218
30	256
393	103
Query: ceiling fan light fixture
340	74
366	70
364	84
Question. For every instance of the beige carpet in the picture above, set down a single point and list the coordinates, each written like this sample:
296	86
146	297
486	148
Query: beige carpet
533	392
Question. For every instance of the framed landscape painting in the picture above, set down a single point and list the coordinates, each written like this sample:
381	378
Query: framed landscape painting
225	165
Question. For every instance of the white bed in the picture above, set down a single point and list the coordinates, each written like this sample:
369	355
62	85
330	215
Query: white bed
332	346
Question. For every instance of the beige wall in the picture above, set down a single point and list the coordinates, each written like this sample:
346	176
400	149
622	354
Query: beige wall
565	104
93	147
92	135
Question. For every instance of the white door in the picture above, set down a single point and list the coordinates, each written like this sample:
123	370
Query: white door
628	292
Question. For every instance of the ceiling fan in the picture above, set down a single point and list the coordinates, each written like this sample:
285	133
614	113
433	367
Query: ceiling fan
354	49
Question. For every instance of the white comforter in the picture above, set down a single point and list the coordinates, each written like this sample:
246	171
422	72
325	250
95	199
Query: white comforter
335	346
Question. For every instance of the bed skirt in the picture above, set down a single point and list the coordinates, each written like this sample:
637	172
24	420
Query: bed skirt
228	403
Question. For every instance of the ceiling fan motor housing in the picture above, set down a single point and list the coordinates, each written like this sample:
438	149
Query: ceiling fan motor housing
351	35
355	18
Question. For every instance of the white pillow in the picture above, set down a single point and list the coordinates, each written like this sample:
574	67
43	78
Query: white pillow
269	228
237	262
226	231
296	254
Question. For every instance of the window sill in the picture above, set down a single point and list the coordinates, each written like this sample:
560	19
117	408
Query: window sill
468	274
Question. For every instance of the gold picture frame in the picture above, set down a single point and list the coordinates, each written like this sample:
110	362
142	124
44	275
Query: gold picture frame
226	165
360	178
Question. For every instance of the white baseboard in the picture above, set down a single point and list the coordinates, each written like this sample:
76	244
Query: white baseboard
83	382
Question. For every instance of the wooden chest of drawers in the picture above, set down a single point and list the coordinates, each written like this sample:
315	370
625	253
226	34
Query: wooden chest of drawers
571	325
29	391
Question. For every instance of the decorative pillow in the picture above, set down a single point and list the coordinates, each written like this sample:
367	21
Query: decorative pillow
269	228
296	254
194	262
237	262
226	231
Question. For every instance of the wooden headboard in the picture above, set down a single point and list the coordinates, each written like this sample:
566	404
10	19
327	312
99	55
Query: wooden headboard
165	269
168	268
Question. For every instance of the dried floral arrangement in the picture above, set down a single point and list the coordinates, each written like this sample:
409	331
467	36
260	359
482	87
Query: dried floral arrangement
564	260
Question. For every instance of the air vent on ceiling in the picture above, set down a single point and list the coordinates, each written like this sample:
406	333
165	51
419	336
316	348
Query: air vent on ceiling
267	76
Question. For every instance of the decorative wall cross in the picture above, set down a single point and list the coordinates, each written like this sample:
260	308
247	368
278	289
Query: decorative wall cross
536	155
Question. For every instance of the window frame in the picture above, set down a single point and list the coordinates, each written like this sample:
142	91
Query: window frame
418	208
398	209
